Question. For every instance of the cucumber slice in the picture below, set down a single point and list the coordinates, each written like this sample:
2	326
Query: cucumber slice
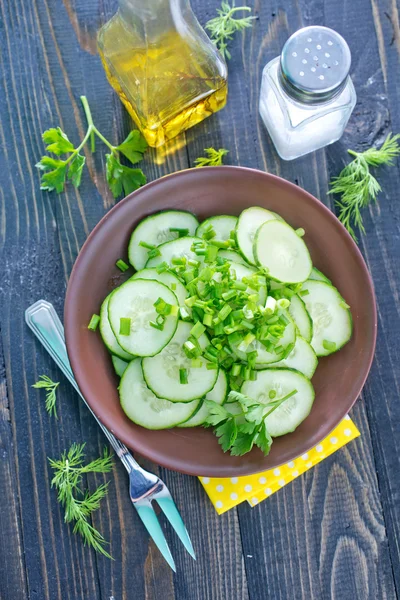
246	271
107	333
332	321
319	276
294	410
119	365
302	358
264	357
300	316
277	216
155	230
233	256
161	372
144	408
248	223
175	249
168	279
135	300
222	225
277	247
217	394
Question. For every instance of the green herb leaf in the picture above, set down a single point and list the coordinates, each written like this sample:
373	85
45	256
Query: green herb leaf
75	169
357	186
263	439
242	444
133	147
50	386
54	174
223	27
226	433
79	505
217	413
213	158
57	141
123	178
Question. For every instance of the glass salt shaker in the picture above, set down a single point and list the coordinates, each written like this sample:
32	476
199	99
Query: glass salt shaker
307	96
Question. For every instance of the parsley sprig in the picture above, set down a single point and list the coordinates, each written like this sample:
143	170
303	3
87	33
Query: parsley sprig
79	504
240	429
356	184
50	386
120	178
213	157
223	27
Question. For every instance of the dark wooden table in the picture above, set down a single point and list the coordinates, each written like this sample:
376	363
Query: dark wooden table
332	533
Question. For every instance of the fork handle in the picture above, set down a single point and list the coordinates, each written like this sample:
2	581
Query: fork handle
43	320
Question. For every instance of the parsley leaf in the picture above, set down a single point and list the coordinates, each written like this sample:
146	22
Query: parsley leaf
123	178
54	173
263	439
75	169
133	147
57	141
243	444
217	413
227	433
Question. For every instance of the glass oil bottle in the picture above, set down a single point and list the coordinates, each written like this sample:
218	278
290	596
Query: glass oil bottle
163	66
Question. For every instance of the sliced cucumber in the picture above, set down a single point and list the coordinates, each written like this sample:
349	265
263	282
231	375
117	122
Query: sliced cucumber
175	249
319	276
264	357
168	279
288	416
135	300
302	358
299	314
144	408
233	256
107	333
277	216
332	322
161	372
278	248
246	271
119	365
223	225
155	230
217	394
249	221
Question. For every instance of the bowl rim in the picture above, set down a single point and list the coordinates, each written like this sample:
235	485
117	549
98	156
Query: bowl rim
155	456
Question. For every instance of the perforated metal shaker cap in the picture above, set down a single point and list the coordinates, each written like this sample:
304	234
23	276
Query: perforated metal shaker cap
315	64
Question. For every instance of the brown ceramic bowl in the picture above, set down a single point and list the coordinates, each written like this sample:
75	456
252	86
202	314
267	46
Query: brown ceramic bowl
212	191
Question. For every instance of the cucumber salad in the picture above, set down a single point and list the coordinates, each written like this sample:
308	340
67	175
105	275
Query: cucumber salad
221	325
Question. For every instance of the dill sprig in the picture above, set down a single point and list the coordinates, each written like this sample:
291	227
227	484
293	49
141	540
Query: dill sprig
356	184
213	159
223	27
79	505
50	387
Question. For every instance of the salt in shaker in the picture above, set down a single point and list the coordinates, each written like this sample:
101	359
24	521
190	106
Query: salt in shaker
306	94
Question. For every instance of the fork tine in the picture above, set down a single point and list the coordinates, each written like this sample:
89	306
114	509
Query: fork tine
150	521
168	507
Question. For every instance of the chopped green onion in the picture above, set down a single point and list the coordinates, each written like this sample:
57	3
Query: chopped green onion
209	233
211	366
245	343
196	363
162	307
162	267
190	349
184	314
272	394
251	358
158	326
235	370
278	349
173	286
247	324
283	303
121	264
253	375
183	376
229	295
234	337
174	310
160	320
283	319
303	293
197	330
220	244
207	320
238	285
93	323
245	372
300	232
182	232
191	301
206	274
218	329
147	246
330	346
178	260
124	326
211	254
193	263
224	312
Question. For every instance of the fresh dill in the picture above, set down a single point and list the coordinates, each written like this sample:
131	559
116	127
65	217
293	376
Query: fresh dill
223	27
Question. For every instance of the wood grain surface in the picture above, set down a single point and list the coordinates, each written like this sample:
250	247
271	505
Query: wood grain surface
333	533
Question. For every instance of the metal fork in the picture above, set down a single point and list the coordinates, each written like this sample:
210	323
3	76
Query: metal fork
144	487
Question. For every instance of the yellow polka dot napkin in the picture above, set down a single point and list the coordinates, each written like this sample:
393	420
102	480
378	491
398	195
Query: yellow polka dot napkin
225	493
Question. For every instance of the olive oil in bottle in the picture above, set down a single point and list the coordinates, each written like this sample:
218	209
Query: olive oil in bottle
164	68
